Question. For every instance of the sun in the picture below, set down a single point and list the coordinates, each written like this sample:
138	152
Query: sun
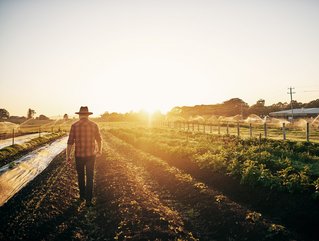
151	105
153	109
150	110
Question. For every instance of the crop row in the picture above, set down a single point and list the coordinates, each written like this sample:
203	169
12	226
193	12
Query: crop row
9	153
278	165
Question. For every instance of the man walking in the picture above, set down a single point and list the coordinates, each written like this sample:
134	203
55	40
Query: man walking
84	133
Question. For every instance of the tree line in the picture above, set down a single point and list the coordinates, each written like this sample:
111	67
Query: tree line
237	106
231	107
5	116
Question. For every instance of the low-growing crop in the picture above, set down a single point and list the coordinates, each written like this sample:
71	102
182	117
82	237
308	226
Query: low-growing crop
279	165
10	152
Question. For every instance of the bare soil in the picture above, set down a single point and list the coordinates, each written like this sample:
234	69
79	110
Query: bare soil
137	197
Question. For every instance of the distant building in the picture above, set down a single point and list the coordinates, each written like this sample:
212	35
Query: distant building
297	113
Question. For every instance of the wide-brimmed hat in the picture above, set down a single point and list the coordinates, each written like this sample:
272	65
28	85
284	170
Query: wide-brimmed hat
84	110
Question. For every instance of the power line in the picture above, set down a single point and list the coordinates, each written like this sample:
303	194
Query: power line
291	93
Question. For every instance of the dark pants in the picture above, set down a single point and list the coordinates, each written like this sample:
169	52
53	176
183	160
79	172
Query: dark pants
85	167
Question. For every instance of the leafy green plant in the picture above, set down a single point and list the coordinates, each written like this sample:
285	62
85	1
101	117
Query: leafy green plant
279	165
12	165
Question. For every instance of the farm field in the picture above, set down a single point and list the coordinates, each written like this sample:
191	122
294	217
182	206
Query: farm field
19	140
18	173
156	183
281	165
208	112
9	154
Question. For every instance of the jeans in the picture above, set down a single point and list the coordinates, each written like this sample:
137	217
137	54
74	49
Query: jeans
85	167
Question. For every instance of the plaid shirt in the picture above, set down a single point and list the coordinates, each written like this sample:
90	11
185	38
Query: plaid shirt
83	134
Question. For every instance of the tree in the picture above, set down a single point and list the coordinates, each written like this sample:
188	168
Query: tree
4	114
113	116
259	108
233	107
260	102
43	117
278	107
234	102
312	104
31	113
176	111
65	117
296	104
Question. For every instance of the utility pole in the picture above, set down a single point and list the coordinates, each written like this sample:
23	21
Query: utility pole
291	93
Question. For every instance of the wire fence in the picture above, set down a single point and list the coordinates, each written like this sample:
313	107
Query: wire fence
13	133
282	131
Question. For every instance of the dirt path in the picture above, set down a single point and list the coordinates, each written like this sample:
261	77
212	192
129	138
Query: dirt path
141	214
137	197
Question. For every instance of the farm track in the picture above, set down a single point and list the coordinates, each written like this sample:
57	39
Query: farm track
137	196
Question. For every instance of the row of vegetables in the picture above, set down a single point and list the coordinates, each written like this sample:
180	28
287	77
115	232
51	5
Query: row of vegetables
287	166
12	152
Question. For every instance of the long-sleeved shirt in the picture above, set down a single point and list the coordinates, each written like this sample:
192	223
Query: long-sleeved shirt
83	134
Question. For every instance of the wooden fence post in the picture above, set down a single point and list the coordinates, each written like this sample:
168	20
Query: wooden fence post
250	130
238	129
265	129
218	128
284	130
307	132
13	136
227	129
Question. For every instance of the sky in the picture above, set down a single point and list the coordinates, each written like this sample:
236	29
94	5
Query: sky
124	55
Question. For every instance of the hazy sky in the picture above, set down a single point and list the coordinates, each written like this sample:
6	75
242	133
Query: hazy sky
129	55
